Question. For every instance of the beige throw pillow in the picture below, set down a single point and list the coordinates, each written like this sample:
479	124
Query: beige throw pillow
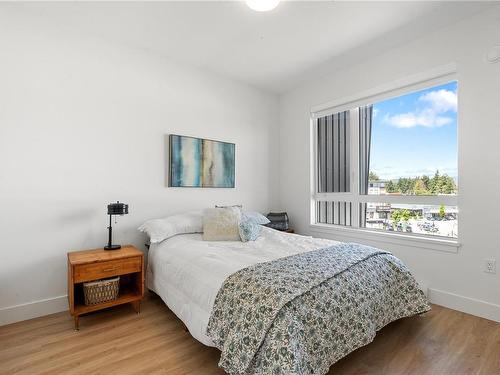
221	224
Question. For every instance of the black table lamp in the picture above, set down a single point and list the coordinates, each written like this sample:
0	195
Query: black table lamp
114	209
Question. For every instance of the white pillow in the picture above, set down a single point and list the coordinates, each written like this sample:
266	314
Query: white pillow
221	224
161	229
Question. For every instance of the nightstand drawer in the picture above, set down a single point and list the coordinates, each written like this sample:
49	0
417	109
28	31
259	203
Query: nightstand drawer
94	271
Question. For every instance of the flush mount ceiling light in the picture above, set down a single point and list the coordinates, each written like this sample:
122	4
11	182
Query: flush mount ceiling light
262	5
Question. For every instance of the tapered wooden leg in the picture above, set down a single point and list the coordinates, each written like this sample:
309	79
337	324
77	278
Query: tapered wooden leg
77	323
137	306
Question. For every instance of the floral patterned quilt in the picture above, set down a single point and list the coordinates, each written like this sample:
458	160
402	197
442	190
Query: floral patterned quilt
302	313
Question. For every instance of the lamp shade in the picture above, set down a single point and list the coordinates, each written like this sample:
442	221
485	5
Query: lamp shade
117	208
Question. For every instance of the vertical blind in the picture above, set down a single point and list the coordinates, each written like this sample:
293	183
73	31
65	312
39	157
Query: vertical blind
333	164
333	153
330	212
333	167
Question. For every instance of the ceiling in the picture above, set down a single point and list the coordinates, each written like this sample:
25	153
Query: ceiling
274	51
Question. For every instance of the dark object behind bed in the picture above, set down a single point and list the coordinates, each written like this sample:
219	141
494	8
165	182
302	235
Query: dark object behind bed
278	220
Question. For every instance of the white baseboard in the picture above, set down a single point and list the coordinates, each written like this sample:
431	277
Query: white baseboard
467	305
30	310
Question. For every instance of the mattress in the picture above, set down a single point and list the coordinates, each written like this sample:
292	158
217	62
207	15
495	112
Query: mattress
187	272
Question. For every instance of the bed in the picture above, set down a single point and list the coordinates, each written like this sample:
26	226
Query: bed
284	303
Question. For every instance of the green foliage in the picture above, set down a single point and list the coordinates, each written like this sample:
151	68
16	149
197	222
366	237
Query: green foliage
399	215
405	185
390	187
419	187
424	185
426	180
442	212
402	215
373	177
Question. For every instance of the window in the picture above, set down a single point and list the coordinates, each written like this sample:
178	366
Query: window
391	165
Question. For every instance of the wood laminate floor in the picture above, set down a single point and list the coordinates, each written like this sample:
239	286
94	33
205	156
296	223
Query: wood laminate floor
118	341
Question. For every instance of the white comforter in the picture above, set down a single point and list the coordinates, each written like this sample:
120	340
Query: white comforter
187	272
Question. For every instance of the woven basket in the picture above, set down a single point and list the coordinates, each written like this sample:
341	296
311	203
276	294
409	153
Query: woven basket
101	291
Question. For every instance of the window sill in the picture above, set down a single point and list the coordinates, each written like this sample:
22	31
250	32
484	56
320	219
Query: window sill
438	244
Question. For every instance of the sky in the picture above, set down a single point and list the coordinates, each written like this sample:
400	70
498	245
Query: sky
416	134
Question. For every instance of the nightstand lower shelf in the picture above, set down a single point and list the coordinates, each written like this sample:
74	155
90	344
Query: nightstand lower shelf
126	297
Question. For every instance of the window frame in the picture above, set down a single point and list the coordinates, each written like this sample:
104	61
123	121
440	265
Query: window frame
435	77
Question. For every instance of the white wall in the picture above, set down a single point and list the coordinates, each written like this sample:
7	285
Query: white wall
84	123
456	280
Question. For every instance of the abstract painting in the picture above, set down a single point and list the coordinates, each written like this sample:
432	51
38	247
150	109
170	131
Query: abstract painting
196	162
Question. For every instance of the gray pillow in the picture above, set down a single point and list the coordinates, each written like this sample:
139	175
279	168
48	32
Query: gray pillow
257	217
249	230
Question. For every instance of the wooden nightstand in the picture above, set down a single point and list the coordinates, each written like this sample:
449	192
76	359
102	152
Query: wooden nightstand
90	265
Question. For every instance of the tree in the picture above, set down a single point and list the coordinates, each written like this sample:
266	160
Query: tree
424	185
404	185
372	176
406	215
419	187
442	212
442	184
447	185
390	187
396	218
399	215
425	179
434	183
